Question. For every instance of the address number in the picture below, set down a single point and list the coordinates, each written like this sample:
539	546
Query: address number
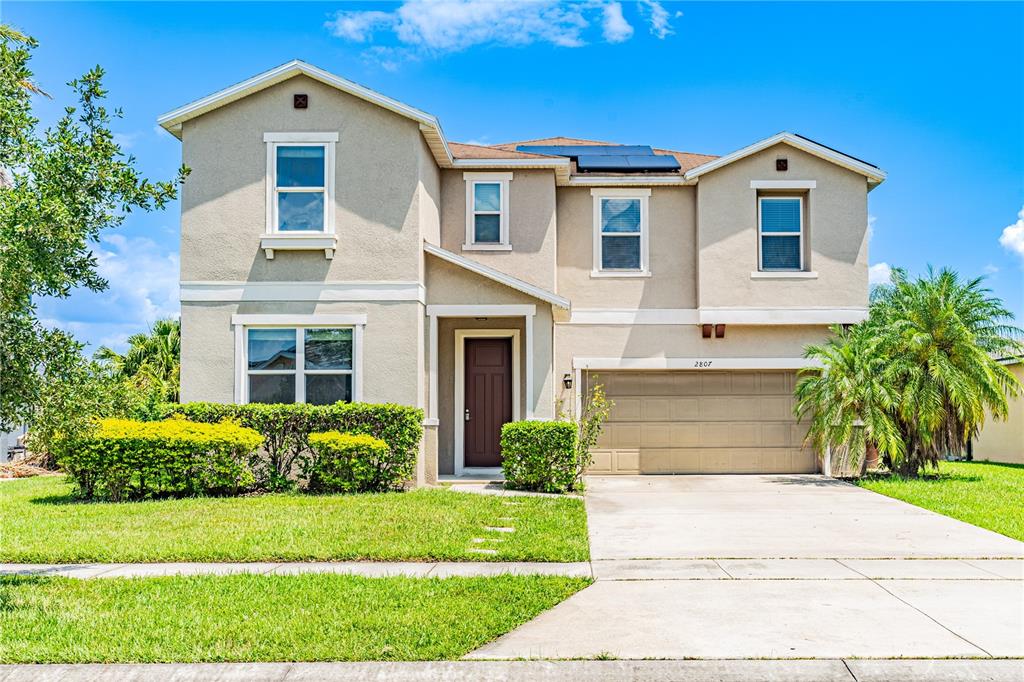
702	363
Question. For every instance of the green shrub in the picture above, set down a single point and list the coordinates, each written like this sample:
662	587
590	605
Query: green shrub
286	429
123	459
539	455
355	463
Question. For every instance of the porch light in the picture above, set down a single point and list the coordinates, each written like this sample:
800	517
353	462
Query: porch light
567	381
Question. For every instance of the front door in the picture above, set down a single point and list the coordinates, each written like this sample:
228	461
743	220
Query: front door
488	399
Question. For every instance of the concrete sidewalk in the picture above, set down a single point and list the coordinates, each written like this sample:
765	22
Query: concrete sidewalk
368	569
536	671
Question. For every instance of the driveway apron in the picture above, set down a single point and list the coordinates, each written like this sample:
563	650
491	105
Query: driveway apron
778	566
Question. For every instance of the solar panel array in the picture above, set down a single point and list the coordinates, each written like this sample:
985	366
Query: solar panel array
609	158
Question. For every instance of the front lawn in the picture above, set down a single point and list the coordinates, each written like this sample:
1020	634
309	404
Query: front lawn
986	494
40	522
309	617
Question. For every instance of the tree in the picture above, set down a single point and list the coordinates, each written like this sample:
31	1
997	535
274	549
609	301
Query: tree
851	397
942	338
152	359
62	187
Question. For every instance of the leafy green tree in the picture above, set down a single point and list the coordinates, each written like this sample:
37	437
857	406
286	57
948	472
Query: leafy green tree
62	186
152	360
851	398
942	338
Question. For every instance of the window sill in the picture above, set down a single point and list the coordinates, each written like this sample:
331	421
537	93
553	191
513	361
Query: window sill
313	241
783	274
486	247
611	274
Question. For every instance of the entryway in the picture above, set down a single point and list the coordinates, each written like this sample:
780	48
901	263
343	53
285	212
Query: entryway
488	399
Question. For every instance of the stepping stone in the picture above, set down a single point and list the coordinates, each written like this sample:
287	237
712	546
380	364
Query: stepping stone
482	551
481	540
500	529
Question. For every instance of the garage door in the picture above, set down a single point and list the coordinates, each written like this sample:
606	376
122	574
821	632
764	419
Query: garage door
701	422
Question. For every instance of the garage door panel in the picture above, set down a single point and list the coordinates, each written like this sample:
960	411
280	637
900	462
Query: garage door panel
702	421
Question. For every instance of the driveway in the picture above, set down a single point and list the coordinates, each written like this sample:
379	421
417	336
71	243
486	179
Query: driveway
778	567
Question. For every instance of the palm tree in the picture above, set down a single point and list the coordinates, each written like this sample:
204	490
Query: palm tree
942	338
851	397
151	358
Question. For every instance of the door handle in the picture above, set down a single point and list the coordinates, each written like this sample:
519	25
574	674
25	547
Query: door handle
467	414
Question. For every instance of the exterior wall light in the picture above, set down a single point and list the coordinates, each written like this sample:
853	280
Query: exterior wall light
567	381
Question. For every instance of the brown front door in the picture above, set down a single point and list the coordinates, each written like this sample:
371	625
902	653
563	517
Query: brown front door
488	399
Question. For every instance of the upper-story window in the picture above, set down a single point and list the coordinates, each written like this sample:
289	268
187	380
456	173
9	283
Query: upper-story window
621	232
781	228
300	182
487	211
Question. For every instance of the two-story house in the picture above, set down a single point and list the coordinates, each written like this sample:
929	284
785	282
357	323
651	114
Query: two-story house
336	246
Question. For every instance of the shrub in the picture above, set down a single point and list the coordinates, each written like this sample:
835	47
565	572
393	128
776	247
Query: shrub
123	459
355	463
286	429
539	455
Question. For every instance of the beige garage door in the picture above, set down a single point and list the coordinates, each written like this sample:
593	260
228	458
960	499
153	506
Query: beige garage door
701	422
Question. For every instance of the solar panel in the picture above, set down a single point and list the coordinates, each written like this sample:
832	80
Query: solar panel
627	163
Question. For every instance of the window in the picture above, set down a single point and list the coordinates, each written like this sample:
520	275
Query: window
780	222
620	232
299	365
487	211
300	178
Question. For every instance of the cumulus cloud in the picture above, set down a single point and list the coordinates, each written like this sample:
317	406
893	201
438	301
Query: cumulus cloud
1012	238
441	26
871	226
143	279
879	273
615	28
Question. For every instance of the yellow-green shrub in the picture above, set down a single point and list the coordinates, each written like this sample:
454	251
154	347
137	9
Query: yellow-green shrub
355	463
540	456
124	459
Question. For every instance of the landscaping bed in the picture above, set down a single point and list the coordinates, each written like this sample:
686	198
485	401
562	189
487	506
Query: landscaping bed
986	494
311	617
42	522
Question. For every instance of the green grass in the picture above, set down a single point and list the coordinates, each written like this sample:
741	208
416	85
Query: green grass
309	617
986	494
40	522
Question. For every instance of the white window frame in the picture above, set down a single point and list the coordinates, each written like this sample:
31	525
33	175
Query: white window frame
299	323
761	234
472	180
276	140
643	196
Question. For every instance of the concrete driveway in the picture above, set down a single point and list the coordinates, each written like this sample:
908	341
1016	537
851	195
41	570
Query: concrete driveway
779	567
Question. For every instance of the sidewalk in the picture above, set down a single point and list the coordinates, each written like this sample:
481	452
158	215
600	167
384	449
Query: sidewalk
828	670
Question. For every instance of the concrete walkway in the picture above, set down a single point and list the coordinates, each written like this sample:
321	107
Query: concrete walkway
535	671
369	569
778	567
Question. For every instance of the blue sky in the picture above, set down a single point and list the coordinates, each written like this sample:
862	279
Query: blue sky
932	93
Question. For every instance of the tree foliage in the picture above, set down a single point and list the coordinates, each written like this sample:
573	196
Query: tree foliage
62	186
917	377
153	359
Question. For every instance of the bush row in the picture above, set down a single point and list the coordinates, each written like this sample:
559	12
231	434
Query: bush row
540	456
286	430
123	459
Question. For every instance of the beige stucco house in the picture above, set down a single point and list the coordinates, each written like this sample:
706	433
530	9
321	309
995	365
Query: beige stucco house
336	245
1003	440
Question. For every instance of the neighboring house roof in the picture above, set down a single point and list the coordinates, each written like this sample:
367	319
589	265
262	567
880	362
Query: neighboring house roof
497	276
462	150
873	173
687	160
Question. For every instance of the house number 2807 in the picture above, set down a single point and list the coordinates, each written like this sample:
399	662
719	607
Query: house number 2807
702	363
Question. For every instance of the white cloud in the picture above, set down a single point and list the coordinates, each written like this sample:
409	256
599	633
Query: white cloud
126	140
879	273
990	269
143	278
615	29
1012	238
440	26
871	226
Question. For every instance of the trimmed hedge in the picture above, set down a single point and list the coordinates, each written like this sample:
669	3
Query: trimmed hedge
286	429
355	463
123	459
539	455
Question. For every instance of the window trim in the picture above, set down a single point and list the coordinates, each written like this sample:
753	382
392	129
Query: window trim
641	194
275	140
472	180
761	234
243	323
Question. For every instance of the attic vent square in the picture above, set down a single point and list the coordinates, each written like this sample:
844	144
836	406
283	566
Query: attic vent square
781	164
300	101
